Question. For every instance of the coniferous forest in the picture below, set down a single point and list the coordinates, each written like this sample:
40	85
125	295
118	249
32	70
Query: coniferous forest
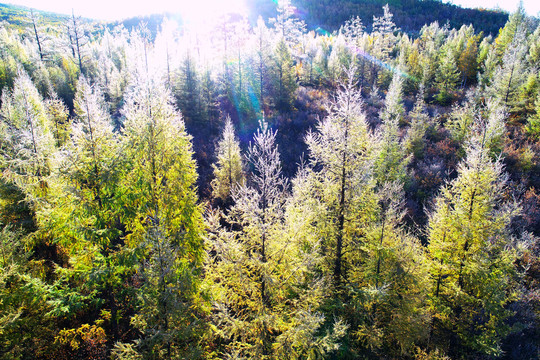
264	190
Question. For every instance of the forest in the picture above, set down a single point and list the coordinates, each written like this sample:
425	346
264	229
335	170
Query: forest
259	190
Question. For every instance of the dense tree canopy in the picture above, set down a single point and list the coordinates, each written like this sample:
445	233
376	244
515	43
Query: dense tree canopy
262	191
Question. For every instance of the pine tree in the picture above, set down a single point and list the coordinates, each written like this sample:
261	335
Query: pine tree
228	171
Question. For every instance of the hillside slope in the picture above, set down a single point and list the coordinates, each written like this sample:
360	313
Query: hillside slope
409	15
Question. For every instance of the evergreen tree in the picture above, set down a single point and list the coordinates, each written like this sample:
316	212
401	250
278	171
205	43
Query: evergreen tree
419	124
384	40
341	148
286	25
533	122
78	40
85	213
25	327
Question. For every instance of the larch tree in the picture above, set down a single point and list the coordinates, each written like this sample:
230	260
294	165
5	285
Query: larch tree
419	122
265	286
282	76
260	58
507	34
467	62
246	300
471	254
40	35
511	74
162	212
229	169
384	41
84	214
28	139
286	25
388	282
341	149
447	77
78	40
391	159
533	122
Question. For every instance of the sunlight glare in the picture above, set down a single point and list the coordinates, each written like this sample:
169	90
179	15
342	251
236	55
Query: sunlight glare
200	13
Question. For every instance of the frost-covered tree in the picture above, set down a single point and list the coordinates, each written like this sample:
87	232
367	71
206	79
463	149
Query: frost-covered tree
353	29
40	35
78	40
282	77
266	296
533	122
85	212
286	24
384	41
